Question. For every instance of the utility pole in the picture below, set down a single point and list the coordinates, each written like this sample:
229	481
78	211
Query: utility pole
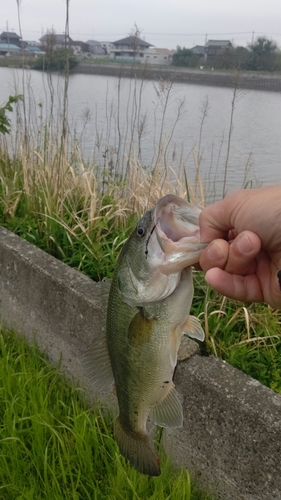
8	38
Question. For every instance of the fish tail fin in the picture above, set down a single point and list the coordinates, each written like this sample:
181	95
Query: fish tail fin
137	450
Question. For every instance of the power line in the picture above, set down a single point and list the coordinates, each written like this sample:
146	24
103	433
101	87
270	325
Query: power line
167	34
198	34
150	33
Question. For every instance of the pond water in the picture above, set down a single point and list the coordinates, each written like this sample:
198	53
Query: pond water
180	125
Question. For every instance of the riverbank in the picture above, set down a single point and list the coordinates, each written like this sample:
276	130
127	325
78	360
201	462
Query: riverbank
245	80
230	438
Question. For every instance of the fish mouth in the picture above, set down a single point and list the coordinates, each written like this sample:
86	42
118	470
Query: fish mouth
177	233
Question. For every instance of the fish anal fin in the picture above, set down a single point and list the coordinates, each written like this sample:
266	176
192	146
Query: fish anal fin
136	448
97	366
168	412
192	327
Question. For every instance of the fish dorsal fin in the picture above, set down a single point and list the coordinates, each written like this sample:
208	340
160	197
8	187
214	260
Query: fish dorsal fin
193	328
105	285
168	412
97	366
137	449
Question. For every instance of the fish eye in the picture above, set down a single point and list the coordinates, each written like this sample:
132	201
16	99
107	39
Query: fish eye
140	231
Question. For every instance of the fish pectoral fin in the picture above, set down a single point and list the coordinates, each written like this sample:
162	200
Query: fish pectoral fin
192	327
105	285
136	448
140	330
168	412
97	366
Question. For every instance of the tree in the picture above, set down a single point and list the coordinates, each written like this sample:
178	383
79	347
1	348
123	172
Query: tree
241	57
234	58
55	58
135	39
263	55
185	57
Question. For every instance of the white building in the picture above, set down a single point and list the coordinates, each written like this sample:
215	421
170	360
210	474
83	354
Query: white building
129	49
107	46
158	56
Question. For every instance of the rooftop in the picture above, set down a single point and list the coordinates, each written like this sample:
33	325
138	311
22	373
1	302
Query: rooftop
218	43
9	34
9	46
133	41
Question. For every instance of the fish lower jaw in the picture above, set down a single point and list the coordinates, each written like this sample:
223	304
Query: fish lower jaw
177	261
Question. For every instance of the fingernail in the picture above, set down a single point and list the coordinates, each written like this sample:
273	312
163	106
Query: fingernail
214	252
244	244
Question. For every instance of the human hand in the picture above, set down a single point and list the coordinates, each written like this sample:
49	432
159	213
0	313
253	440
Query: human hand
244	256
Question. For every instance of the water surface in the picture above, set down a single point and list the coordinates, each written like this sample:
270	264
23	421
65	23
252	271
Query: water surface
180	125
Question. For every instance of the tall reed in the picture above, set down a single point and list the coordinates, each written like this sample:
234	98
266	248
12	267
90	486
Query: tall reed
95	200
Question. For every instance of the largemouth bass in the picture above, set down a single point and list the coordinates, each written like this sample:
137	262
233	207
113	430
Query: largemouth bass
148	311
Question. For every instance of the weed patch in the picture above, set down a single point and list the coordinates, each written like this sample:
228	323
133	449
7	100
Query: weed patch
53	446
247	336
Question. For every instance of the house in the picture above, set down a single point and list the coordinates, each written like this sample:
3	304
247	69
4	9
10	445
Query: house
10	37
33	43
198	50
81	50
215	48
56	41
8	49
158	56
33	50
130	48
96	48
108	46
12	44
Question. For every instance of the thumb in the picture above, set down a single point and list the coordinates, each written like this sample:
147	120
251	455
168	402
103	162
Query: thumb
215	221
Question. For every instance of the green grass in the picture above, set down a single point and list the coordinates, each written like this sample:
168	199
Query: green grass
81	213
93	252
54	447
86	227
247	336
75	219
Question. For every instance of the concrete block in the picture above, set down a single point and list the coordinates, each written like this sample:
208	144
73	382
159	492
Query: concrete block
231	431
42	297
232	425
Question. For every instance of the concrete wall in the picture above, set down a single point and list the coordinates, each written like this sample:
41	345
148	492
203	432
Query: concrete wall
232	425
246	80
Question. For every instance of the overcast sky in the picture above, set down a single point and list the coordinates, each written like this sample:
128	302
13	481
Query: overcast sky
163	23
